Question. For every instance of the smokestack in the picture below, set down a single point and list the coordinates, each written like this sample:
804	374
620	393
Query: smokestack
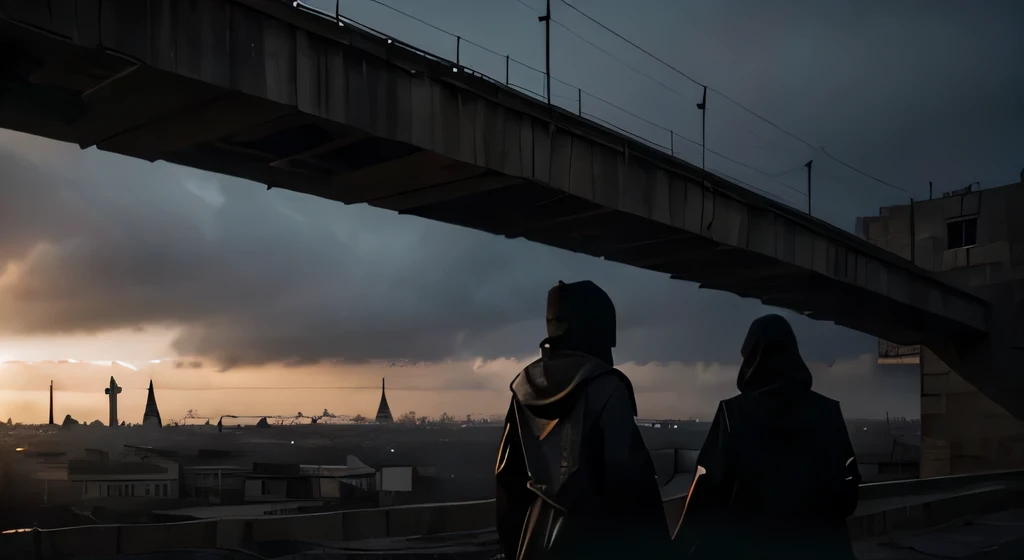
51	402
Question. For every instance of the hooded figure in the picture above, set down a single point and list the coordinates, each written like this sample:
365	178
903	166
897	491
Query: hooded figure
777	476
574	478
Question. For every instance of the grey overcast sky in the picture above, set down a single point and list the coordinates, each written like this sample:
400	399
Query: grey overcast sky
907	91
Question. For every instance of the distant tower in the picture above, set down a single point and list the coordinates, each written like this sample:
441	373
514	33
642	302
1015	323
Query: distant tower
112	391
51	403
383	411
152	415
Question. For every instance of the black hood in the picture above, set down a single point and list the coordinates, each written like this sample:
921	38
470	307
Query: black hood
771	358
550	386
580	318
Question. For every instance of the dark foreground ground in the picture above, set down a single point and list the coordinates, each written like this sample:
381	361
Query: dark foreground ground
998	536
991	537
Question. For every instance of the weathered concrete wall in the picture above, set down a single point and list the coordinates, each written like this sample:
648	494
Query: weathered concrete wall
963	431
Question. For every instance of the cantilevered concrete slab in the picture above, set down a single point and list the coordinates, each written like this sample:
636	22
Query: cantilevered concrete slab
260	90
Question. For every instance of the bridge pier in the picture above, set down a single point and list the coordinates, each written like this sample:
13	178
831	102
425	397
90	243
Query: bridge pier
972	388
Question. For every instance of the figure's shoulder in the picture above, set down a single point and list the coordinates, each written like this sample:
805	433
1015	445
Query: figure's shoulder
607	383
608	380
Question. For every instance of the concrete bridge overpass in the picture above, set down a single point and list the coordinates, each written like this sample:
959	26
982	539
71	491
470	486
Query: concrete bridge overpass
259	90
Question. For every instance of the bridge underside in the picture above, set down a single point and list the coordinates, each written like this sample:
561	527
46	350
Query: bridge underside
256	90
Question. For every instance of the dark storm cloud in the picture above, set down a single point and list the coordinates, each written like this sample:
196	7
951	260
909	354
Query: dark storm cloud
96	242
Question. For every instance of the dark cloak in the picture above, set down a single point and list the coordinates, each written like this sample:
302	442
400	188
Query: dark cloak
781	477
574	478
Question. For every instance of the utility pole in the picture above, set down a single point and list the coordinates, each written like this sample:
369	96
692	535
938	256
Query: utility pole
929	190
913	233
703	106
546	18
808	165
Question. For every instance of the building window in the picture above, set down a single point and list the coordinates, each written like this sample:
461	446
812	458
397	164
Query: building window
147	490
962	232
165	491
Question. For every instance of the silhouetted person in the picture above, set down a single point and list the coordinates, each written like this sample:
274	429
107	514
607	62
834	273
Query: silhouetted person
574	478
781	477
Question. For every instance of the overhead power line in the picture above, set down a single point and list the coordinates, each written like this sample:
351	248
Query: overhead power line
772	177
531	8
728	98
623	62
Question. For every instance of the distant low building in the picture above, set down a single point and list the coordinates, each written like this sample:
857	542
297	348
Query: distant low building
128	475
214	484
273	482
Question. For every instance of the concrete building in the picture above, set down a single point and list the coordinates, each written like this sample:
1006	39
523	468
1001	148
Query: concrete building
975	239
214	484
270	482
129	475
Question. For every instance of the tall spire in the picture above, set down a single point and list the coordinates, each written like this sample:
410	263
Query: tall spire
112	391
152	415
383	411
51	402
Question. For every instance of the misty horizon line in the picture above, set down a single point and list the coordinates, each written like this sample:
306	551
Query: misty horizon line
495	417
57	390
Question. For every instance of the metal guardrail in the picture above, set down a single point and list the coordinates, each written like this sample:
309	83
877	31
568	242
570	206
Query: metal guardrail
939	484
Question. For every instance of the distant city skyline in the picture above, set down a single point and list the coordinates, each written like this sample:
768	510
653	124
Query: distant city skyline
478	387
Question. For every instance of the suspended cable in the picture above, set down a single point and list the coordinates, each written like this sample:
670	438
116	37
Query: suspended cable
852	168
531	8
623	62
634	115
756	170
730	99
638	47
